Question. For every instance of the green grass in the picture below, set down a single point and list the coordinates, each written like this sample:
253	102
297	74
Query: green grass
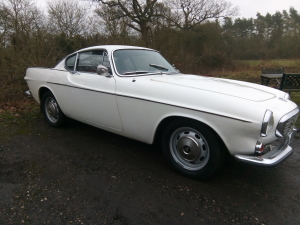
287	63
14	119
250	70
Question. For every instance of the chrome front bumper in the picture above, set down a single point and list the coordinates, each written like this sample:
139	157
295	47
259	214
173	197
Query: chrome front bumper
279	151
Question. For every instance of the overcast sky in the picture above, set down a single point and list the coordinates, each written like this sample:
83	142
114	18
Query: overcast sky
249	8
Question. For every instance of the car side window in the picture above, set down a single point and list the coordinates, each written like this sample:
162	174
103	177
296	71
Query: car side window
70	62
89	61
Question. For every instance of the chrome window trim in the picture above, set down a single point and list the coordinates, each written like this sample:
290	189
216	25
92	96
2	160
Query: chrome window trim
76	62
135	75
88	51
105	53
77	53
65	64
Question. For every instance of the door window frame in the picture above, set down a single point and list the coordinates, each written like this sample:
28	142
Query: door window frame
104	54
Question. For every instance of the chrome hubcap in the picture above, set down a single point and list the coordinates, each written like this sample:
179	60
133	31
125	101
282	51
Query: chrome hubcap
189	148
51	109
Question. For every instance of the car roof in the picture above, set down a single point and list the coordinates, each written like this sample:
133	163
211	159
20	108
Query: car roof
109	49
113	47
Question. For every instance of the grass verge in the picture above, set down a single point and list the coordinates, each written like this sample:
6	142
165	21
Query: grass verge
19	113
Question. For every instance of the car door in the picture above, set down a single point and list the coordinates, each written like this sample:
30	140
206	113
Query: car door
91	97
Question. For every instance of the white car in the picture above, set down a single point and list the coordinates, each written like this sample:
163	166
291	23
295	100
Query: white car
135	92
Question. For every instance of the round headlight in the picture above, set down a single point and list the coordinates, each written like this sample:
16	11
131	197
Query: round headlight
267	124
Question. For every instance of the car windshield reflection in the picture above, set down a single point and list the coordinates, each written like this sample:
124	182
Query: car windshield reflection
141	62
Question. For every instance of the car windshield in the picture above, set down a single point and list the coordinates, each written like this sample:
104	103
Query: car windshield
139	61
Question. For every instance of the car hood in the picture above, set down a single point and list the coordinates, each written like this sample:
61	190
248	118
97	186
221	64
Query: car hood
244	90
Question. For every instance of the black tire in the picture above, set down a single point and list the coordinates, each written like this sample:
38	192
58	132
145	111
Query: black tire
192	149
51	110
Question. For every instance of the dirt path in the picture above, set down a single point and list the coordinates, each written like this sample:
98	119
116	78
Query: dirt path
83	175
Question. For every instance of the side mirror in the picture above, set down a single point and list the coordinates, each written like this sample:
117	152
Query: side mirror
102	70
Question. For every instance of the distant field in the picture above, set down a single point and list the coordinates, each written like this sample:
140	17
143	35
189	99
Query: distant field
250	70
287	63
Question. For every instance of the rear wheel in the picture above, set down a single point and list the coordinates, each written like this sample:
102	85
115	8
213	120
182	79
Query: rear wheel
192	149
51	110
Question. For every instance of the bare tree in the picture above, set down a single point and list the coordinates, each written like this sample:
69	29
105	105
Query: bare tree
141	14
20	20
68	17
188	14
17	18
22	29
113	27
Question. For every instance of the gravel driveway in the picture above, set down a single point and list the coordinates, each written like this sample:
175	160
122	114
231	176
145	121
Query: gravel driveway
83	175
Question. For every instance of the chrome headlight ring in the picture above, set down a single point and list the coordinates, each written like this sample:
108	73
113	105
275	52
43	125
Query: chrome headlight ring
267	124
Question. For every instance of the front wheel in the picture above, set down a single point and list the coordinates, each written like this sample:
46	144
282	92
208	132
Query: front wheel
51	110
192	149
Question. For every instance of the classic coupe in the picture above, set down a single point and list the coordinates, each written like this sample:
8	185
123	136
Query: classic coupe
135	92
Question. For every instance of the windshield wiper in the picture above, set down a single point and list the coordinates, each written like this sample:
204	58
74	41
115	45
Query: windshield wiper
158	67
135	72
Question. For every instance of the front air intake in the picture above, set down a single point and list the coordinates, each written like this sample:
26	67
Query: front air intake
285	125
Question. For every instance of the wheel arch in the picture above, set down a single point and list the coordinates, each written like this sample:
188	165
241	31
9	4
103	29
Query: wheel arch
42	91
163	123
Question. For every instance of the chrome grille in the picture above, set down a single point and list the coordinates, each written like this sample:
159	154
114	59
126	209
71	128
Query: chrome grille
288	125
285	125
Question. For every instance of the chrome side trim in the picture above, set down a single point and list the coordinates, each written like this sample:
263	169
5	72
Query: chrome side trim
45	68
87	89
148	100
